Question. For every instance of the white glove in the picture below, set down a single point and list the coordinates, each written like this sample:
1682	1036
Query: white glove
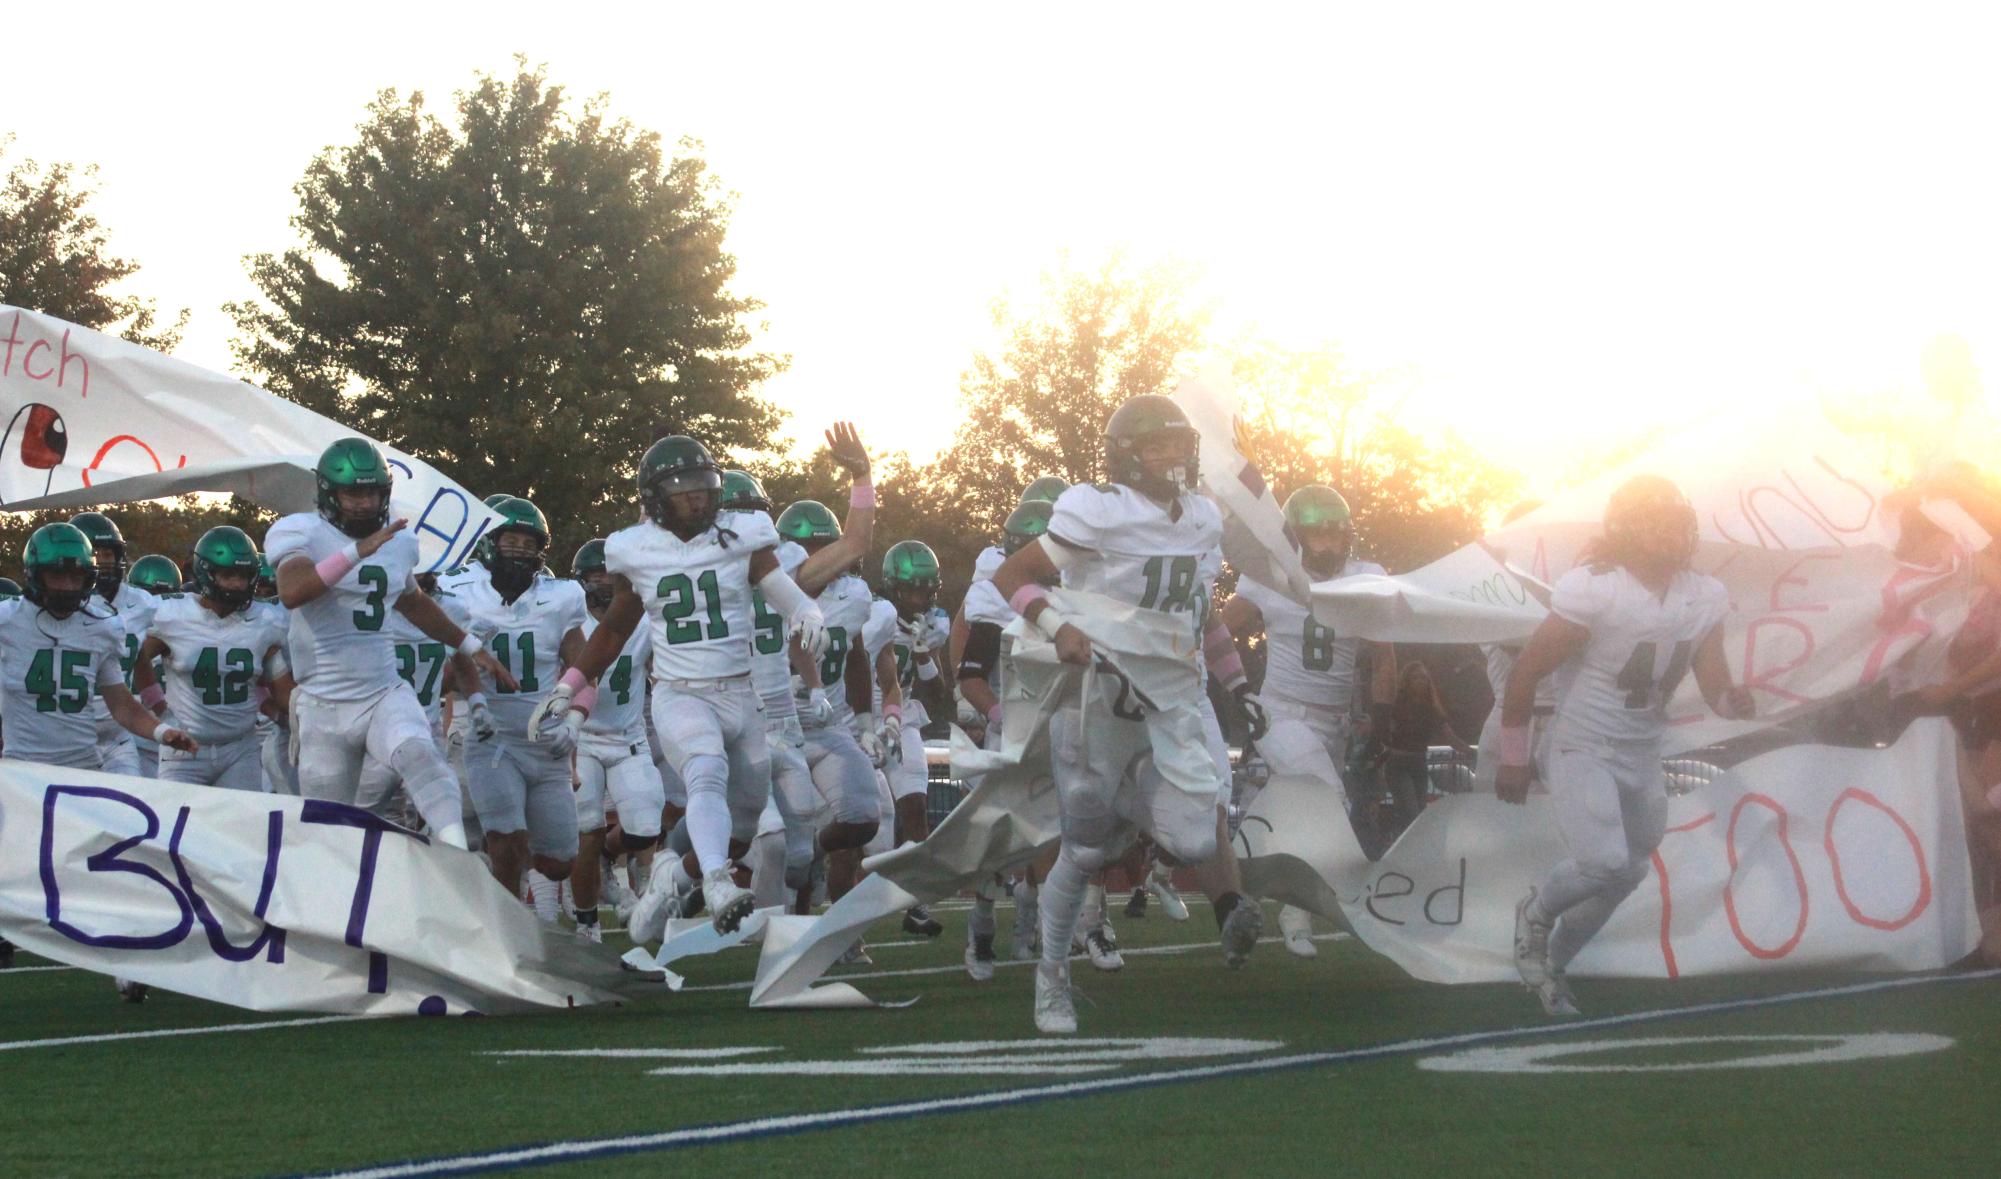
889	733
816	709
866	737
916	634
556	705
559	735
809	626
479	718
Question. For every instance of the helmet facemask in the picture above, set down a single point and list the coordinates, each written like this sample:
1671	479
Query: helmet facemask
1164	463
110	571
686	502
517	558
362	511
62	601
598	589
913	599
1324	549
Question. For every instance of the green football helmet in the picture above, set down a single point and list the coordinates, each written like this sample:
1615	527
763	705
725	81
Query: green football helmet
743	493
354	464
1318	514
225	550
482	549
9	588
513	574
1025	524
910	577
1045	487
58	548
104	534
155	574
589	569
266	589
674	466
1140	419
810	523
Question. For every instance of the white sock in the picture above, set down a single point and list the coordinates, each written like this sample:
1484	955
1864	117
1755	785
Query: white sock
1062	897
546	894
709	830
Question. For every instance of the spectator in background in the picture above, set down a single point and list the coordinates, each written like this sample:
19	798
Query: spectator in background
1417	721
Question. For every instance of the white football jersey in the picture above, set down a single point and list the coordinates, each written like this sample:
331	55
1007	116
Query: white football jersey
939	624
697	593
990	559
1305	663
337	645
984	604
421	660
526	636
1127	547
213	664
849	609
1501	664
52	671
770	664
1640	647
620	713
132	608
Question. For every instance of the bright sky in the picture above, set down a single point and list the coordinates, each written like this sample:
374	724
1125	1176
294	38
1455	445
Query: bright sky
1565	223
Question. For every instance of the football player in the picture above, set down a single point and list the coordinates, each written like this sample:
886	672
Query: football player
427	666
840	749
219	649
1623	629
61	649
1148	539
341	569
693	579
614	762
1501	659
1310	682
160	577
132	608
810	832
520	779
910	579
274	724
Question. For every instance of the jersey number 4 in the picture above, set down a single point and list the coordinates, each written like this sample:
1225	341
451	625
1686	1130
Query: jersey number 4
1636	679
71	694
678	600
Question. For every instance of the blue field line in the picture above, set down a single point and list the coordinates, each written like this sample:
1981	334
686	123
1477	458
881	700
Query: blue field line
551	1153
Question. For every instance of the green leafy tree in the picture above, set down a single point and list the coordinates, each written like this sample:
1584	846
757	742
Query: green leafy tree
527	298
55	257
168	527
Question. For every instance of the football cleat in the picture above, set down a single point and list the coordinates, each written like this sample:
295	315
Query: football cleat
1161	885
1241	930
616	892
647	920
728	902
591	933
1555	994
1054	1013
1136	907
130	991
918	920
1531	946
857	955
1103	948
980	958
1297	927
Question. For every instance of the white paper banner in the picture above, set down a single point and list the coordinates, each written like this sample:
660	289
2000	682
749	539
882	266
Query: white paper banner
274	903
1254	537
93	419
1808	856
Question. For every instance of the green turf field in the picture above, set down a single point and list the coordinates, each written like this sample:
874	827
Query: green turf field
1284	1067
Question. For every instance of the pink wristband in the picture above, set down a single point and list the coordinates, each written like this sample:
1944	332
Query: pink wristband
1515	746
893	712
585	700
1031	592
333	567
153	695
575	679
862	495
1218	645
994	714
1230	668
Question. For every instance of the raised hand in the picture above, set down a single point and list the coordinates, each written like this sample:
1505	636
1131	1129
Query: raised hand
844	444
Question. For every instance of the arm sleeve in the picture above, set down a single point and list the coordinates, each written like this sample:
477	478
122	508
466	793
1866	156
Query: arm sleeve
982	652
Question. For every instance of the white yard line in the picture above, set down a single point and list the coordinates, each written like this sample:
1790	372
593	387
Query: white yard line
159	1033
574	1151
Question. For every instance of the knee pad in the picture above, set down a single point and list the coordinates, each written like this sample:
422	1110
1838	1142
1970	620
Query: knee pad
707	773
798	874
1088	860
